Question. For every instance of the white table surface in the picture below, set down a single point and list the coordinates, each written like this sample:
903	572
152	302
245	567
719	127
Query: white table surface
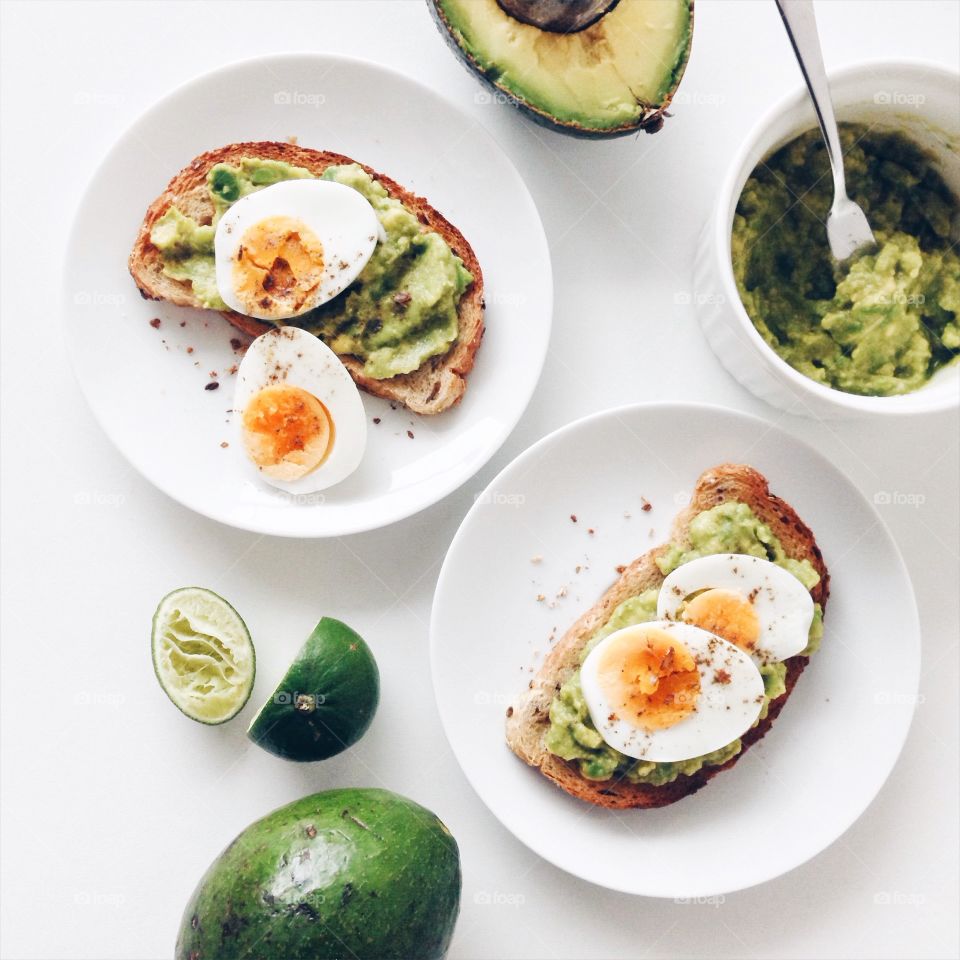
113	805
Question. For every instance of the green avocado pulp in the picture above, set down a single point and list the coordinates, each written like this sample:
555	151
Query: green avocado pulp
599	79
882	323
400	311
728	528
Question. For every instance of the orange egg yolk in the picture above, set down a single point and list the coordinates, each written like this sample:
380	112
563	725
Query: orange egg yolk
277	267
727	614
650	679
287	431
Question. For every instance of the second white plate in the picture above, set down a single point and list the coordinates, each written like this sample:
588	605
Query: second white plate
829	752
146	385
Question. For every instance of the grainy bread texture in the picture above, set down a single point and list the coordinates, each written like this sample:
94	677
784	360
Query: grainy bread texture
528	719
435	386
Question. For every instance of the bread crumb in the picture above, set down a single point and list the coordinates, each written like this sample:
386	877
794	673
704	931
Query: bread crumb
540	598
410	434
235	343
645	505
224	444
573	517
620	568
591	531
155	323
213	385
293	139
376	419
536	559
189	349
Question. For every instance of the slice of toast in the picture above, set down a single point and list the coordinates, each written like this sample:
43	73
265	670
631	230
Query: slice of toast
528	719
437	385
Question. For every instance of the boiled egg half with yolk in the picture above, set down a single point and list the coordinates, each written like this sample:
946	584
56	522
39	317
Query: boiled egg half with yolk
762	608
665	691
301	417
290	247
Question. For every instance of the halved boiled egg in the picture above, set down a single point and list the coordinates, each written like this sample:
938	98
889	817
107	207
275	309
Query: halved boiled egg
762	608
666	691
292	246
301	416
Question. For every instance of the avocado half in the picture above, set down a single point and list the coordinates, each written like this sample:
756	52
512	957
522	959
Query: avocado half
583	67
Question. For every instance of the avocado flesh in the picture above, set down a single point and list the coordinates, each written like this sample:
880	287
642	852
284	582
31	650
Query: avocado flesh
608	78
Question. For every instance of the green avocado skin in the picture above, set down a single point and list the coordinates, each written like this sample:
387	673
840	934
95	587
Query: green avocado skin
352	873
325	701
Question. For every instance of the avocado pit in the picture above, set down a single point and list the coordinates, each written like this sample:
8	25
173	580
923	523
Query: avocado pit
558	16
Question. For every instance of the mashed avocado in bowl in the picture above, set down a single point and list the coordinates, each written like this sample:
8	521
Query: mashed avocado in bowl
881	324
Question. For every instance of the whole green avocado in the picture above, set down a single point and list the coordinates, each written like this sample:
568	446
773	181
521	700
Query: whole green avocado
351	873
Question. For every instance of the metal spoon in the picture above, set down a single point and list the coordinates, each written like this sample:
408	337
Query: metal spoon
847	229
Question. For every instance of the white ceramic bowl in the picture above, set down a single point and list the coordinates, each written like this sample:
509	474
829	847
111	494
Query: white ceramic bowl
918	99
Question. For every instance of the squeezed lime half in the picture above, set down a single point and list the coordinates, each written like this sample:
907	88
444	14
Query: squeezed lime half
202	654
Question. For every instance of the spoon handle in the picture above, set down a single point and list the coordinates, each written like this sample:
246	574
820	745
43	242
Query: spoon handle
801	23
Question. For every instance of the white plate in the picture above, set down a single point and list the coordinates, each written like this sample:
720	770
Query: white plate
828	754
148	392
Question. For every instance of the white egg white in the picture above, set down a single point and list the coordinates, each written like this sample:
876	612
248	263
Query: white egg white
731	697
782	603
294	356
340	217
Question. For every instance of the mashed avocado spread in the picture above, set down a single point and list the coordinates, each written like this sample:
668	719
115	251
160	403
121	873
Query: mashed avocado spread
884	322
400	311
728	528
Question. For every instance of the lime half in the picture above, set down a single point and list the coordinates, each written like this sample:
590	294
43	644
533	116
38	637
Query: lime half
325	701
202	654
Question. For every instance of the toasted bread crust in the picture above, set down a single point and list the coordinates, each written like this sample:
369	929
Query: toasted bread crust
436	386
528	718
